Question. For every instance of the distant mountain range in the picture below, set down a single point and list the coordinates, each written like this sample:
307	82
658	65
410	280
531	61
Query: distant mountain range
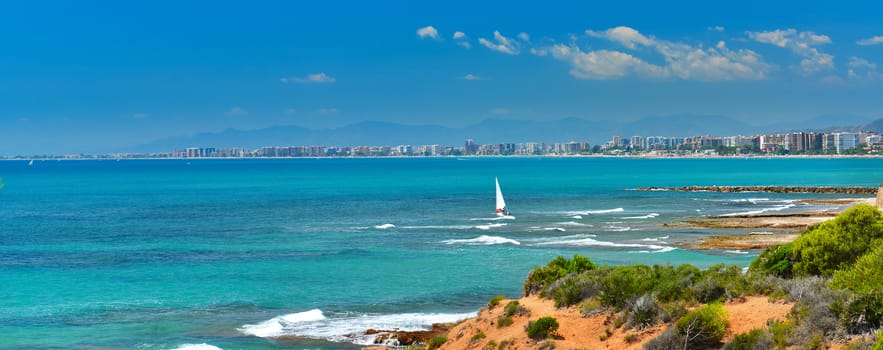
501	130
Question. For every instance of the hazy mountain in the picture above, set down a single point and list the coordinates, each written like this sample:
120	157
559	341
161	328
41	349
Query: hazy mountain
823	123
493	131
876	126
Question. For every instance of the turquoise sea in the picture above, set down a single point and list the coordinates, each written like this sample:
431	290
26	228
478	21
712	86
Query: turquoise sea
305	253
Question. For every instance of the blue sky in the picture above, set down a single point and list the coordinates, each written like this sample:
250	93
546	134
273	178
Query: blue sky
101	75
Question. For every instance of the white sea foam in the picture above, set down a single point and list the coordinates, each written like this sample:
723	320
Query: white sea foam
654	239
438	227
483	240
573	223
589	242
488	226
615	228
576	217
346	327
202	346
764	210
559	229
735	252
648	216
495	218
384	226
587	212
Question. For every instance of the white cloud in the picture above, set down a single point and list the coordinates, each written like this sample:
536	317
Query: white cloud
471	76
871	41
462	40
539	51
682	61
524	37
428	32
625	36
318	78
237	112
604	64
140	115
861	69
501	44
801	43
717	28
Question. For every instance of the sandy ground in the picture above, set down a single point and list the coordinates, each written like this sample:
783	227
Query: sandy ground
578	332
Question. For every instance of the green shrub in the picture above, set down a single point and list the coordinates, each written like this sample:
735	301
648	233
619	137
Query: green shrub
668	340
504	321
672	311
865	279
559	267
879	344
512	308
720	282
589	307
573	288
495	301
704	327
754	339
491	344
674	283
542	328
631	338
781	333
837	243
437	341
642	312
622	283
478	336
775	260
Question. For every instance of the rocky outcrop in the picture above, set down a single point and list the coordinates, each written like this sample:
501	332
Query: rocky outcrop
396	337
772	189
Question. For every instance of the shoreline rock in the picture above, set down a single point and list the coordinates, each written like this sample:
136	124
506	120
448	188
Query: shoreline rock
771	189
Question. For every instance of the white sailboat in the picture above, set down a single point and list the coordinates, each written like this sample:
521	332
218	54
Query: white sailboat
31	163
501	203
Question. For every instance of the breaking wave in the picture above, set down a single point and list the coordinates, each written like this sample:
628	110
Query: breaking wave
384	226
488	226
764	210
587	212
345	327
483	240
202	346
589	242
648	216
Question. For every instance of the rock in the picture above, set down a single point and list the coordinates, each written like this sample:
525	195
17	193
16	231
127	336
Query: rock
772	189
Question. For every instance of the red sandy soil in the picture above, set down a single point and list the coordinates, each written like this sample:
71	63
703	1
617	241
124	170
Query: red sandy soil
578	332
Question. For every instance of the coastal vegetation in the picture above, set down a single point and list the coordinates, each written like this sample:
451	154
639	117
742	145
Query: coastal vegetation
833	275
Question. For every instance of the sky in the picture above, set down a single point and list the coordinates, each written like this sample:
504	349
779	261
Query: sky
99	76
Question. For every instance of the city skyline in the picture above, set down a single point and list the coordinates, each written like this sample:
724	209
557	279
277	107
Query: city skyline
88	77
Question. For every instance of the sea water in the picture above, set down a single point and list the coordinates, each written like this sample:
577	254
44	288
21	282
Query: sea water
309	253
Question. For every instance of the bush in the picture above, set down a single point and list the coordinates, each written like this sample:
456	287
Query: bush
672	311
879	344
675	283
572	289
623	283
512	308
704	327
495	301
865	279
836	244
437	341
781	333
504	321
754	339
478	336
720	282
775	260
559	267
642	312
631	338
589	307
668	340
491	344
542	328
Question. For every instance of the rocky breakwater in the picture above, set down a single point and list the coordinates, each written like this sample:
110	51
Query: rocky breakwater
771	189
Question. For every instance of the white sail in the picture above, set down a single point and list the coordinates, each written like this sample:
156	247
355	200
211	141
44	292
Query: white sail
501	203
